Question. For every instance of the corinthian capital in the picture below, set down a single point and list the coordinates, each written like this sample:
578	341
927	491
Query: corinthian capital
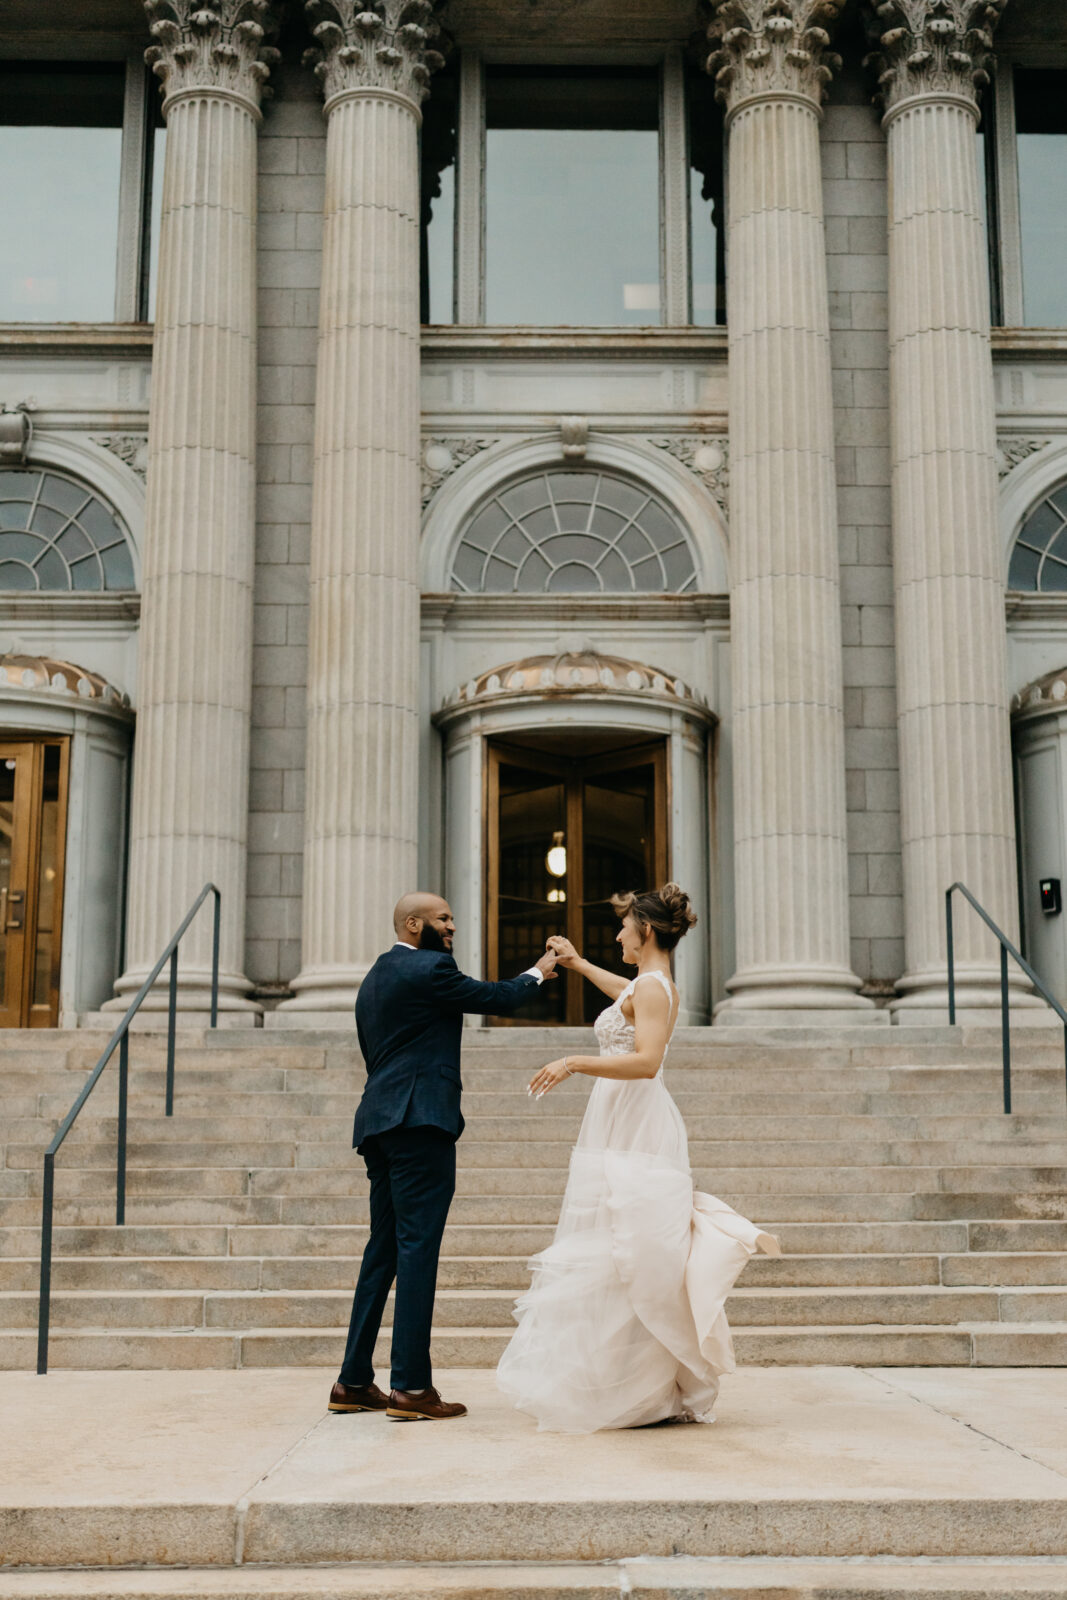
932	47
374	44
768	48
212	44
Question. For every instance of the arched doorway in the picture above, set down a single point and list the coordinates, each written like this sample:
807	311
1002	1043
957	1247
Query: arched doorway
569	778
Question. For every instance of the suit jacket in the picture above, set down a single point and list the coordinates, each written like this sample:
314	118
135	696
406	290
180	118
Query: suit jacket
409	1018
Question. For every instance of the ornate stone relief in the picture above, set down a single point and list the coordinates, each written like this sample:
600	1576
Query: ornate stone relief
374	44
214	45
766	47
707	457
129	447
441	457
925	47
1015	449
574	437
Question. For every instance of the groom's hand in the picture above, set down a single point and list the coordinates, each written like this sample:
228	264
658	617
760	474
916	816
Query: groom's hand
547	965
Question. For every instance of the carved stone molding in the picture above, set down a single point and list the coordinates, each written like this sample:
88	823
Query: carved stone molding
212	44
374	44
129	447
932	48
768	48
707	456
1013	449
442	456
574	437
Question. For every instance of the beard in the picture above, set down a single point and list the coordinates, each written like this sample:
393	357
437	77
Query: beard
430	939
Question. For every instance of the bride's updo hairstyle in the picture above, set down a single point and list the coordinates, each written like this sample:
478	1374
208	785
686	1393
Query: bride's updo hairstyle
666	911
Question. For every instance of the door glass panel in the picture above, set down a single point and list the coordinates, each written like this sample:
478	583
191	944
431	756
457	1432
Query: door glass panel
532	812
47	894
617	816
7	828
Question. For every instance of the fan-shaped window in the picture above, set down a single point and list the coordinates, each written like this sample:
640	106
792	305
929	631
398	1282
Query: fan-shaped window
1039	559
574	533
57	534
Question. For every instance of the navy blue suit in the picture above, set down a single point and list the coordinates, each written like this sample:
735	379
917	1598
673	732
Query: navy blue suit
409	1017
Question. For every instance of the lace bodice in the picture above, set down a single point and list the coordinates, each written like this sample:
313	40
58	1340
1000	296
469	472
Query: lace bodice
614	1034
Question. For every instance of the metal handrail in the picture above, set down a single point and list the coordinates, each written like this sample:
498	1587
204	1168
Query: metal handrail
1006	949
120	1037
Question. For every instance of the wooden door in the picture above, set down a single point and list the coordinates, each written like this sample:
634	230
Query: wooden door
608	815
33	818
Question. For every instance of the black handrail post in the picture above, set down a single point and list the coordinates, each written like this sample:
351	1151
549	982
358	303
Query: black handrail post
1005	1028
215	961
120	1175
171	1022
47	1192
951	959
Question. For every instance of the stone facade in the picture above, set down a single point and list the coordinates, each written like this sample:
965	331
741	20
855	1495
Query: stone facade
298	735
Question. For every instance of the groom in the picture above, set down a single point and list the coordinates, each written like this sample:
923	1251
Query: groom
409	1017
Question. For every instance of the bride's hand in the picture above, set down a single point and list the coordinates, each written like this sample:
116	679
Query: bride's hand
564	952
548	1077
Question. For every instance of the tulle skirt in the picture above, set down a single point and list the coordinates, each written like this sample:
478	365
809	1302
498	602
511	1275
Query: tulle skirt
624	1322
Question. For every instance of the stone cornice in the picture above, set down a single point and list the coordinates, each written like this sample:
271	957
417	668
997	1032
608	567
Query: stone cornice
213	46
365	46
932	49
771	49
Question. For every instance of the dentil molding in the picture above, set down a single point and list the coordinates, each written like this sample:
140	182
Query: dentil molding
770	48
212	44
374	44
932	48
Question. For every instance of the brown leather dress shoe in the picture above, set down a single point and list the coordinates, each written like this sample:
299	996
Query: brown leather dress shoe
369	1398
425	1407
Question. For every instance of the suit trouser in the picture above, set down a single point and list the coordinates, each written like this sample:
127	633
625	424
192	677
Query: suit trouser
412	1174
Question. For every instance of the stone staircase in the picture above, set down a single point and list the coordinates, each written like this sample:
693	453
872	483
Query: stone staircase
920	1226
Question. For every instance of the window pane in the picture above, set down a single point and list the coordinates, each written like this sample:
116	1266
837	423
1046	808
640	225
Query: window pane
438	180
60	151
159	154
72	540
572	197
707	232
1041	126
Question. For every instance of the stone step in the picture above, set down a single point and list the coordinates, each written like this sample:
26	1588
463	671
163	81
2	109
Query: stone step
851	1345
669	1577
929	1306
767	1208
970	1344
652	1577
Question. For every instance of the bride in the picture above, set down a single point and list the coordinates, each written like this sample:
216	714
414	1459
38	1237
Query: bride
624	1322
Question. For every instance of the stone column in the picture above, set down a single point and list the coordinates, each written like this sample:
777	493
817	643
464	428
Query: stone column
362	739
190	790
957	818
791	852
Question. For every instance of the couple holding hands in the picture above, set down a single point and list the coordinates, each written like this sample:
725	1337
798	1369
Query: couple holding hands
623	1323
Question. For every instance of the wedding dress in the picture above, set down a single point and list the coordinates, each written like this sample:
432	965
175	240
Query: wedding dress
624	1323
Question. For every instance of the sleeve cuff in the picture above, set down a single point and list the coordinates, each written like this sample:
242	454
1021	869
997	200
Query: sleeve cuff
533	972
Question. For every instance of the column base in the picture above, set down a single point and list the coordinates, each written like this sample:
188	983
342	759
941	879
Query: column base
922	999
323	992
792	997
194	995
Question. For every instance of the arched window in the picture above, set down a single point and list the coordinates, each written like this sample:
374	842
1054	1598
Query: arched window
1039	558
574	533
56	534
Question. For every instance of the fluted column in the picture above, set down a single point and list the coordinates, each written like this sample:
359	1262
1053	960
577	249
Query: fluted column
190	790
955	759
362	739
791	852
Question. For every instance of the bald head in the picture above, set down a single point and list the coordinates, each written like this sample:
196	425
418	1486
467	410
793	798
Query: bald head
424	920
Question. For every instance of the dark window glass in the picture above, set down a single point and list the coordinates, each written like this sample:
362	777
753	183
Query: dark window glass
707	205
60	153
438	221
1039	558
55	534
1041	139
572	228
157	148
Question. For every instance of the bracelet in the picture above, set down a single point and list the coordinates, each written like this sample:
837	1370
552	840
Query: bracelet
570	1069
